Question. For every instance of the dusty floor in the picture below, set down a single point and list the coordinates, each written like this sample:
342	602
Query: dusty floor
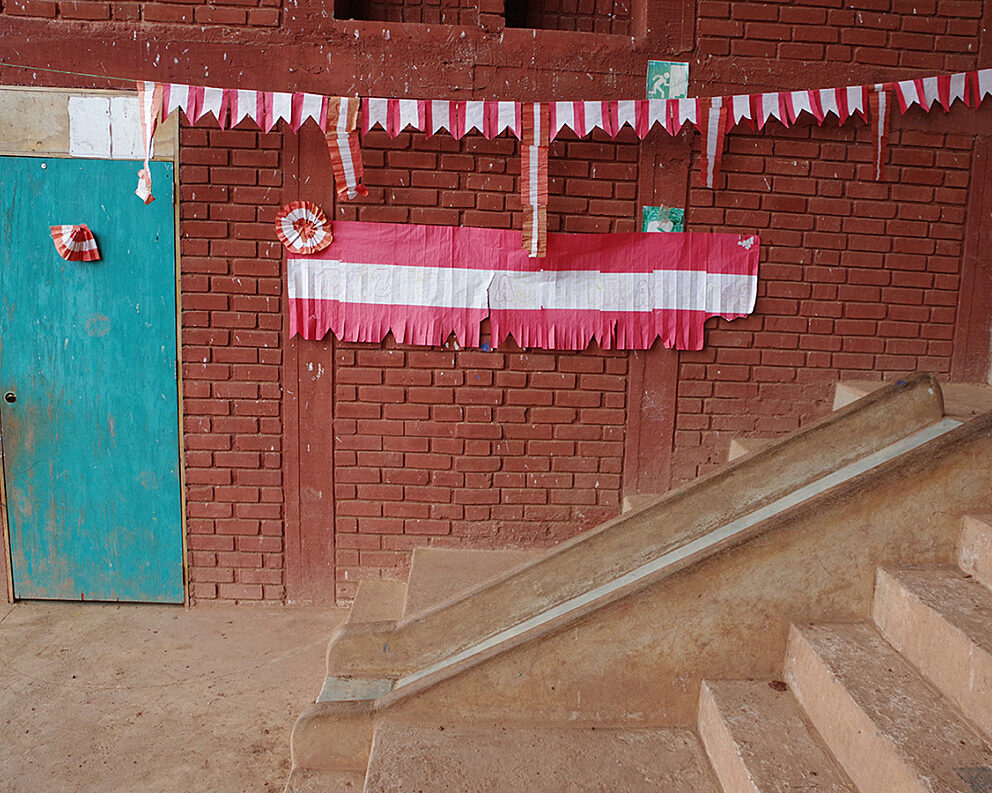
152	698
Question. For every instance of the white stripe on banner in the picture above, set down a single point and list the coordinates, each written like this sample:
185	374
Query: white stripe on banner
572	290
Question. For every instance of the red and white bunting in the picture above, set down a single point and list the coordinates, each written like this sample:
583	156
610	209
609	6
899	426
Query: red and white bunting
979	86
342	145
458	117
612	116
310	107
234	105
393	115
769	105
278	107
149	110
535	137
212	101
946	89
247	104
499	117
739	109
176	96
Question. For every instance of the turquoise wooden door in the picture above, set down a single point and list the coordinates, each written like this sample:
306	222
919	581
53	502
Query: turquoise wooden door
88	396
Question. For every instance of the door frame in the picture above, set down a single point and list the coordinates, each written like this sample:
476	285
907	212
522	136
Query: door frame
56	147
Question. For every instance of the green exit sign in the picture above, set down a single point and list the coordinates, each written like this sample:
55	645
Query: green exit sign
668	79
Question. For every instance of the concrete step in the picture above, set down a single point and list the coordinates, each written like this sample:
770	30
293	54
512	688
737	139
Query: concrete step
438	575
886	727
492	757
975	547
759	742
377	600
962	401
741	446
940	620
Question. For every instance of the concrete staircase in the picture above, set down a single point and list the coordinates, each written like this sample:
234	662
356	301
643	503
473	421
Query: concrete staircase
901	703
611	662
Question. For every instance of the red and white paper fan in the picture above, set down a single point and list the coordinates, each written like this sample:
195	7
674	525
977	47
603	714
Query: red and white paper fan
76	243
303	227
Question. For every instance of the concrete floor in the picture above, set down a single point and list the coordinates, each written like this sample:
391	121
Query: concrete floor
154	698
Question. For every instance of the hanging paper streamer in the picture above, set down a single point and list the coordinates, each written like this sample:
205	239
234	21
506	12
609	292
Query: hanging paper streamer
423	283
879	104
342	144
75	243
149	109
303	228
535	136
712	114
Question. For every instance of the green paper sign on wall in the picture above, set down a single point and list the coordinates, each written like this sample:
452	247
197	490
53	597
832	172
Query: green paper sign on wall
668	79
662	219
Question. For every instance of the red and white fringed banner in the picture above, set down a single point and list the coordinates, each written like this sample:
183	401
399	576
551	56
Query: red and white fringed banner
149	108
424	283
432	116
534	140
342	144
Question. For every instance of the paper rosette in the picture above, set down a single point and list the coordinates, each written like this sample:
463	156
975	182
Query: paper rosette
75	243
303	227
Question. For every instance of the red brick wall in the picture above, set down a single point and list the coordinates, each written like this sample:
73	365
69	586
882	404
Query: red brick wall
584	16
447	12
230	190
474	182
933	35
234	13
432	446
490	449
858	277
